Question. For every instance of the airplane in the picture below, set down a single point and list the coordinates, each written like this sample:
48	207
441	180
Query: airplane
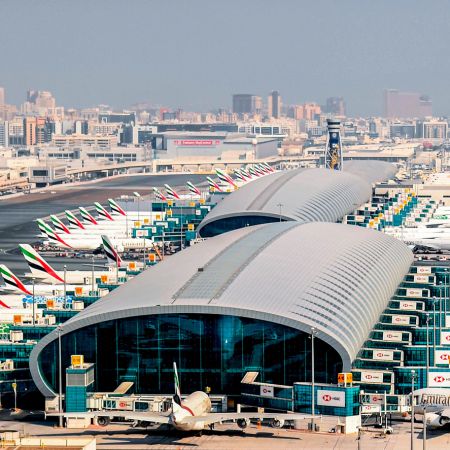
91	241
191	414
13	285
435	402
43	271
225	178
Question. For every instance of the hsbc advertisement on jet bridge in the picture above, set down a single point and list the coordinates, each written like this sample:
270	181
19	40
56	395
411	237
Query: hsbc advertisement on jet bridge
439	379
331	398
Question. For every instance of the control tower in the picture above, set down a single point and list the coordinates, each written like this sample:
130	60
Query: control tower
333	149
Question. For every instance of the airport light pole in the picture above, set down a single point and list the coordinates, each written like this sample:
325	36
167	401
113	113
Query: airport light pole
65	286
59	329
313	335
413	376
280	205
434	327
428	344
424	433
138	196
34	304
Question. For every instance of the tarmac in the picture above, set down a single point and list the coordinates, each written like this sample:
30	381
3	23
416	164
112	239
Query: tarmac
229	436
18	212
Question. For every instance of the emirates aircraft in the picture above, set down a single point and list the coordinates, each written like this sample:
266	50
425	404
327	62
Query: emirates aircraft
191	414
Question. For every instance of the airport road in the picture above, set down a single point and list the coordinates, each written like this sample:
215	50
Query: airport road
229	437
17	214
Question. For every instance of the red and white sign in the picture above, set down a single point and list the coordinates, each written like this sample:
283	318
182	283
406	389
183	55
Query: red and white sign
196	142
331	398
408	306
424	269
124	405
370	409
392	336
445	338
371	377
376	399
400	320
414	292
383	355
442	357
266	391
421	279
438	379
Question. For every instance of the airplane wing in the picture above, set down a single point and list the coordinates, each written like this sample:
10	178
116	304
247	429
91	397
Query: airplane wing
127	415
226	417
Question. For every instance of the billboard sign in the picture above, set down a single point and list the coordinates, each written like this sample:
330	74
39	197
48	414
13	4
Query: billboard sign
266	391
371	377
421	279
409	306
383	355
413	292
438	379
393	336
370	409
331	398
400	320
445	338
442	357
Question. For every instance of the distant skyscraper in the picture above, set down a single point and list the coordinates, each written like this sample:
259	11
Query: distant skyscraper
274	105
336	106
406	104
2	96
247	104
29	130
4	134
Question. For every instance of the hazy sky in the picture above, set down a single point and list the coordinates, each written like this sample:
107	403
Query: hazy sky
196	53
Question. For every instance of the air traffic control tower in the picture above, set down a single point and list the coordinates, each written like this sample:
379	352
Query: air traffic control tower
333	149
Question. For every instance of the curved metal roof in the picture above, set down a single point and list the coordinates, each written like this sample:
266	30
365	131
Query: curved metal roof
337	278
371	171
307	195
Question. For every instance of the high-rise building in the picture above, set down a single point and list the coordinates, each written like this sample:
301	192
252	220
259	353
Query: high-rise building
247	104
4	134
2	96
274	105
335	106
406	104
29	130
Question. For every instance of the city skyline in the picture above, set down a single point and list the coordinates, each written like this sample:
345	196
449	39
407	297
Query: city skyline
324	50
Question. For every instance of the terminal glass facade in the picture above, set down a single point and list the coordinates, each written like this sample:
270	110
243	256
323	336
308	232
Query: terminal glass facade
210	350
226	224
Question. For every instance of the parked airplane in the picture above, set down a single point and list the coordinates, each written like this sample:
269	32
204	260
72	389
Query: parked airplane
191	414
43	271
91	241
435	402
13	285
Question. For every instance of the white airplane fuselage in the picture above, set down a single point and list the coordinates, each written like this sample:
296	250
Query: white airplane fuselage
196	404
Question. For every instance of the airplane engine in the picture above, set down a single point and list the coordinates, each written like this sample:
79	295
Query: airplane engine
243	423
277	423
103	421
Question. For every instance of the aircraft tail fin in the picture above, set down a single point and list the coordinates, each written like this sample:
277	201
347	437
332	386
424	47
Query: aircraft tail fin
159	195
37	263
59	225
214	185
177	394
87	217
12	281
102	211
193	189
223	176
110	251
115	208
73	220
171	192
51	233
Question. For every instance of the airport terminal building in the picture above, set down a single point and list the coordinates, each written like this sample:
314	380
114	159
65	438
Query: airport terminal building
276	268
